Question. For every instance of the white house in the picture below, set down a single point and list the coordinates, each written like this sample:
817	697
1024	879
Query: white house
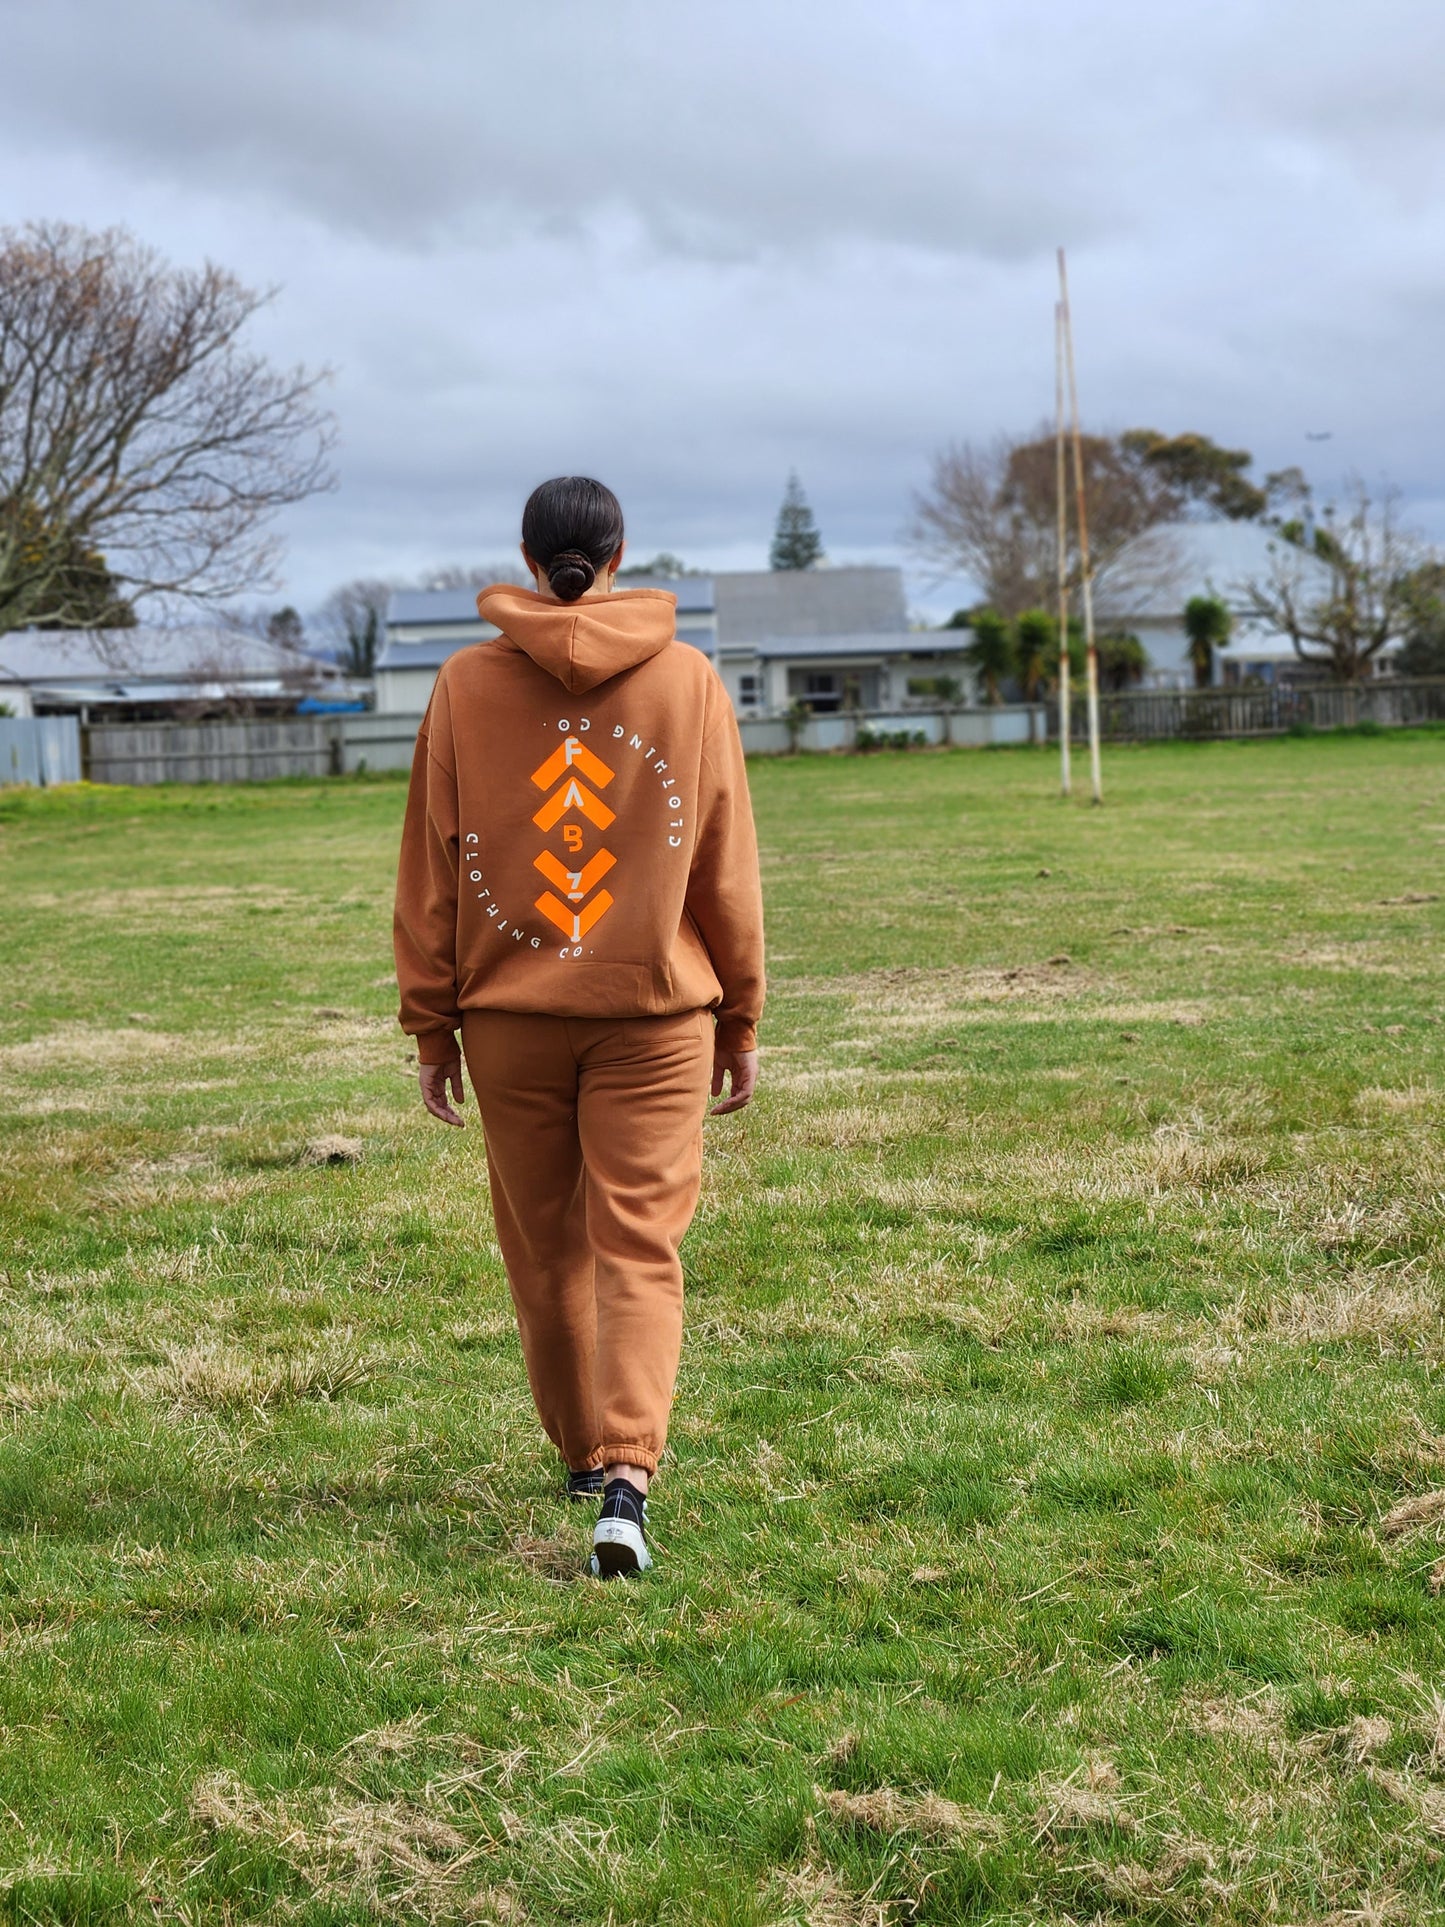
149	673
1147	586
833	638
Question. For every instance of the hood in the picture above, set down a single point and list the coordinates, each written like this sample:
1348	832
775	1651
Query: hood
585	642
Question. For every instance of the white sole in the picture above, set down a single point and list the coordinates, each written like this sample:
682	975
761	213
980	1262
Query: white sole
618	1547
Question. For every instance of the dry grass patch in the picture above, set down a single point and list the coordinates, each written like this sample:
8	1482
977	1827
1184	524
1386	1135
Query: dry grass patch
927	1815
230	1381
1417	1514
332	1149
1390	1309
392	1741
556	1557
1177	1158
917	997
1075	1805
814	1896
100	1047
400	1860
1426	1802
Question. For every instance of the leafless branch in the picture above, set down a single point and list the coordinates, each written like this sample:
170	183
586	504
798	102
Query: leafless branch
139	439
1342	588
989	512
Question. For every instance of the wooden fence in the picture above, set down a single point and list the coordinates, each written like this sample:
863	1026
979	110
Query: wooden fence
234	752
251	750
1147	715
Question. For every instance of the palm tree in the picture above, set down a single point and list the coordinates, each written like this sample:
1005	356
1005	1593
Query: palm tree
1037	648
991	653
1207	624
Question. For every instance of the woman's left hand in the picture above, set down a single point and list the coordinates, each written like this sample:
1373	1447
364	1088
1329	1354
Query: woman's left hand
434	1079
740	1067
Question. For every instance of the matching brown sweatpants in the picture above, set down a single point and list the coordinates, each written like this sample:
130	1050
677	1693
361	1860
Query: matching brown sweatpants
594	1147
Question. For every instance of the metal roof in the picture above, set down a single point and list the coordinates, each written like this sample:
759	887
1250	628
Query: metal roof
146	654
1156	574
151	692
418	608
431	654
756	604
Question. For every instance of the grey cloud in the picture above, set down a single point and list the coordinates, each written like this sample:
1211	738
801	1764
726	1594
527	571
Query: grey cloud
690	246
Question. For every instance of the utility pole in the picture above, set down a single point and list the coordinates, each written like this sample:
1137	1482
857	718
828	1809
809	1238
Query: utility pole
1091	654
1065	719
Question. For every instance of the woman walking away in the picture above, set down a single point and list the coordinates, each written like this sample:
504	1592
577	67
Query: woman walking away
578	895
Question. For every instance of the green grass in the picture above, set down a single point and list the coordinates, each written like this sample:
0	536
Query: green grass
1066	1330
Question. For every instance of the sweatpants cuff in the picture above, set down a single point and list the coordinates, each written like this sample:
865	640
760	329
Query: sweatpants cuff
629	1454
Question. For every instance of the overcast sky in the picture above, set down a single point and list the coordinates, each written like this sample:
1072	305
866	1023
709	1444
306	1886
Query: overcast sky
687	246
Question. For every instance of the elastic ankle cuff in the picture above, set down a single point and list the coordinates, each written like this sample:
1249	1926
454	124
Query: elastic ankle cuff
628	1455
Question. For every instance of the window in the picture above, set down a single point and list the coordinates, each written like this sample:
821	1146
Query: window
750	690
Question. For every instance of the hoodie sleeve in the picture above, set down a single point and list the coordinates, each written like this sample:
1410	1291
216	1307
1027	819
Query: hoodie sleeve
724	892
424	923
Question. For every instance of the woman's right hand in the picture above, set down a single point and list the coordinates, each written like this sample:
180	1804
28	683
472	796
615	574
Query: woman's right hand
434	1079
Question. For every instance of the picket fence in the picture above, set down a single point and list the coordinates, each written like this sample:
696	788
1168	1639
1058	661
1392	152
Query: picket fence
1149	715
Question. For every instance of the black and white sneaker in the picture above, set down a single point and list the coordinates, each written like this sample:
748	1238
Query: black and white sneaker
619	1539
585	1485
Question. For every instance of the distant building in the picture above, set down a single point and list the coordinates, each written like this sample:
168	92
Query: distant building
153	674
833	638
425	626
1146	588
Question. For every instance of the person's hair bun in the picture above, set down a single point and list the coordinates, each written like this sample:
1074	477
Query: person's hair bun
571	574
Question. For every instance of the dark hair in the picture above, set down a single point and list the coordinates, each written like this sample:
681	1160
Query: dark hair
572	527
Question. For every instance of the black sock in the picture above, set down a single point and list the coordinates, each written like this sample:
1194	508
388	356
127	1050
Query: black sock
622	1500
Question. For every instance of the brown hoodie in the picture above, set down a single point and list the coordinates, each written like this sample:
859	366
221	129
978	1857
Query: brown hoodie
578	836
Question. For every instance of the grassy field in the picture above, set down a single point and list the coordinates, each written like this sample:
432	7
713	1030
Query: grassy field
1051	1529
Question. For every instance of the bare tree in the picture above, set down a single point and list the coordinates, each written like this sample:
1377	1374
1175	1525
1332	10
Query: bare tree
137	430
1342	587
989	512
352	619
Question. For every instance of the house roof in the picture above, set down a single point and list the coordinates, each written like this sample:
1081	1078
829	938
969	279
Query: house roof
754	605
430	654
1154	576
434	651
150	655
412	607
419	608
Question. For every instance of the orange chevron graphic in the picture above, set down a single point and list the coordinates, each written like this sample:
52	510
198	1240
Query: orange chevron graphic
562	760
574	883
574	923
576	796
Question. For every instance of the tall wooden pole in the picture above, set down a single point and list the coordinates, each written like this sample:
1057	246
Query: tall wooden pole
1060	486
1091	654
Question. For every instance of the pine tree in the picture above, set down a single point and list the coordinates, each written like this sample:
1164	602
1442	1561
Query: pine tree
796	541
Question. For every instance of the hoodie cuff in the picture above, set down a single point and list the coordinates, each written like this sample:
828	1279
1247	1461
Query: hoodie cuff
735	1033
436	1047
